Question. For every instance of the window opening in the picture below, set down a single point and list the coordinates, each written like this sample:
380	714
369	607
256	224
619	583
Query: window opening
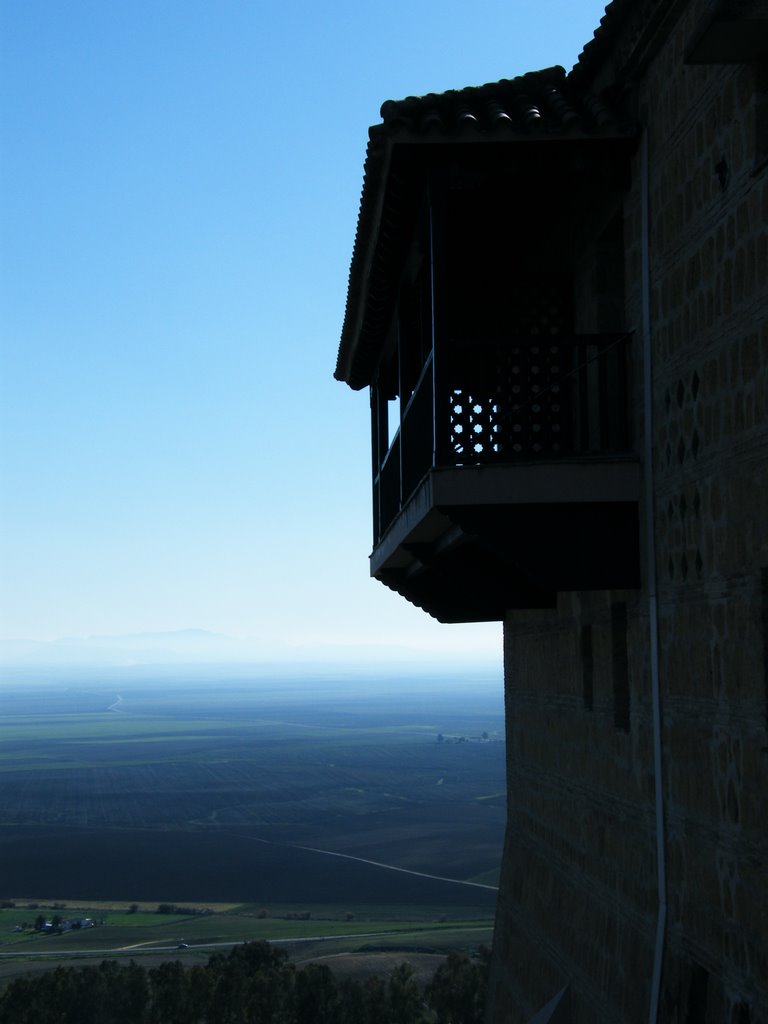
620	666
587	667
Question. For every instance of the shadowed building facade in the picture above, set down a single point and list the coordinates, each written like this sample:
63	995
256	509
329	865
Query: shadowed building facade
557	300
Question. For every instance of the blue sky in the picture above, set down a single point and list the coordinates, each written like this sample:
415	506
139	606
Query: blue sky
179	192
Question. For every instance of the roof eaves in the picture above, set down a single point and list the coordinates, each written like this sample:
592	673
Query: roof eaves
377	160
629	34
537	106
599	46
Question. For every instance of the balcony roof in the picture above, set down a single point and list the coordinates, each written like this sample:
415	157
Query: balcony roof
538	107
536	104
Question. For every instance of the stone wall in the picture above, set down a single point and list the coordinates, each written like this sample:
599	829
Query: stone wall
579	897
709	206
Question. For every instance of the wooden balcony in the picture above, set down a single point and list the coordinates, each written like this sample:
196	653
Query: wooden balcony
511	477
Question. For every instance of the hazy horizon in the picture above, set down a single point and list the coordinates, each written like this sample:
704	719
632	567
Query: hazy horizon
203	651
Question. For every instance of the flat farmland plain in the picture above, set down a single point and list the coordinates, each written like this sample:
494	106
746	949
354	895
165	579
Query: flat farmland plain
252	791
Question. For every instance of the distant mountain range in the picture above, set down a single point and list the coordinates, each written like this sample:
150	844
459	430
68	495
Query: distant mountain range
125	649
201	647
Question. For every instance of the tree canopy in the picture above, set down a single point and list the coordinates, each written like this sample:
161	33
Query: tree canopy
255	983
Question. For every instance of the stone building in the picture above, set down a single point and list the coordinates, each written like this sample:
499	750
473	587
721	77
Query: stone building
558	299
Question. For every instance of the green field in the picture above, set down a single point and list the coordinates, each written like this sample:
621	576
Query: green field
251	792
372	943
119	931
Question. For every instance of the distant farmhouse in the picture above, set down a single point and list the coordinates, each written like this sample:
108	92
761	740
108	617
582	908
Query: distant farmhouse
558	299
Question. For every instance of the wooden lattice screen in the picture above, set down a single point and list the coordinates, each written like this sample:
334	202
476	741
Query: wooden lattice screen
508	397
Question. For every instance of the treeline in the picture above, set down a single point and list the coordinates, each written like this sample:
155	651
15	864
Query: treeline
253	984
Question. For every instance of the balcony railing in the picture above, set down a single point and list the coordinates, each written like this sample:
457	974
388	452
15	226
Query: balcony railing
496	402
